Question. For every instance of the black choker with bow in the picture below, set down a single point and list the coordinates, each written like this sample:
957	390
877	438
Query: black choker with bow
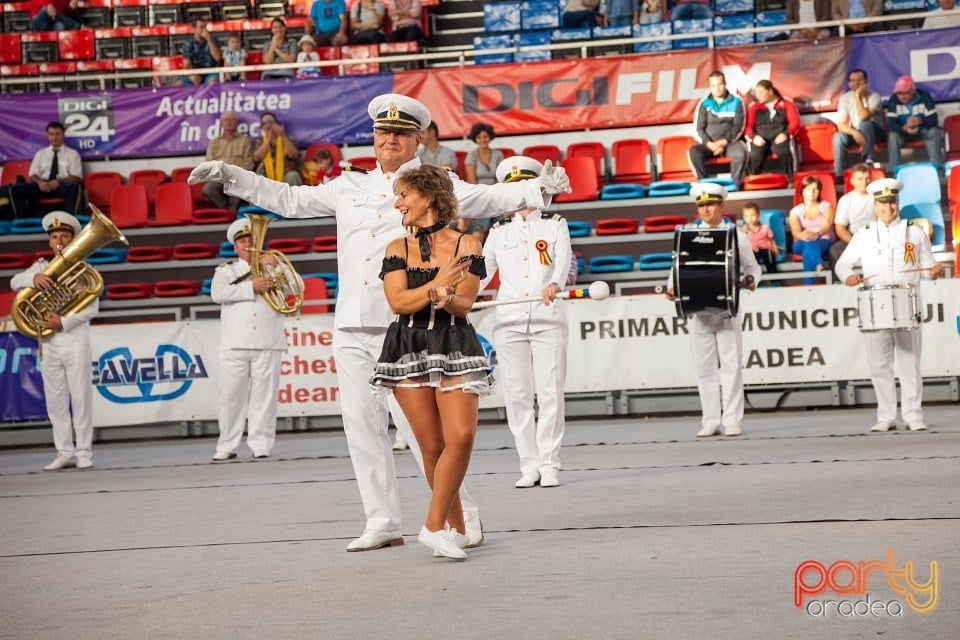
423	238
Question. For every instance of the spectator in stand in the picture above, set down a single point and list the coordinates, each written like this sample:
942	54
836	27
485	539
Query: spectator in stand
276	154
855	210
327	23
321	170
201	52
55	172
405	21
308	53
651	11
366	22
691	10
853	9
620	13
859	121
279	50
580	14
230	147
807	12
719	121
432	152
234	56
912	116
761	238
811	223
481	163
939	21
54	15
772	125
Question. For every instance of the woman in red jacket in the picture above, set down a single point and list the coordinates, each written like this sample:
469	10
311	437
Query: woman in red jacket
772	124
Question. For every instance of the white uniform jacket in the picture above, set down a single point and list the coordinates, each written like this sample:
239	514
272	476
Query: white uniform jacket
885	253
76	325
367	222
246	320
529	254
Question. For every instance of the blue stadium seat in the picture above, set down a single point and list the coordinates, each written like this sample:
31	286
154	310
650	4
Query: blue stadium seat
611	264
729	22
773	218
533	39
921	183
581	265
578	228
501	16
206	286
226	250
5	226
26	225
730	7
481	43
934	214
664	188
656	261
539	14
652	30
726	183
770	19
692	27
622	191
107	255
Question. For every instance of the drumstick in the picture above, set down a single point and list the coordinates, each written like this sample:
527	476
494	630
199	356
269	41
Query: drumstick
598	290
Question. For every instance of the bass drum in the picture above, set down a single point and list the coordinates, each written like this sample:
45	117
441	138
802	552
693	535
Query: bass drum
706	268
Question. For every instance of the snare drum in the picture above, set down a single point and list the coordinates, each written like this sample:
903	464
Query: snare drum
706	270
892	307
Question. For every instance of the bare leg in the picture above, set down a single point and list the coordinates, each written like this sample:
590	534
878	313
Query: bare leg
458	413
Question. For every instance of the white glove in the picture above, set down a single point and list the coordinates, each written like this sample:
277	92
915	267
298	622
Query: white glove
552	180
212	171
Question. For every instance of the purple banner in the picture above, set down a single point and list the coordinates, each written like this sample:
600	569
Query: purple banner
181	121
930	57
21	389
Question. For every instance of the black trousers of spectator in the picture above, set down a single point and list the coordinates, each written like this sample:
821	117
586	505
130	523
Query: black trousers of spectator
367	36
413	33
736	151
783	151
25	195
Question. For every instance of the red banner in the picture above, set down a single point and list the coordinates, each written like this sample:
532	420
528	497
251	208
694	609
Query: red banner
623	91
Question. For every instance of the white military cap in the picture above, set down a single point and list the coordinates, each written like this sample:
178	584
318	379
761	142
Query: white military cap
708	193
885	189
238	228
398	113
59	221
516	168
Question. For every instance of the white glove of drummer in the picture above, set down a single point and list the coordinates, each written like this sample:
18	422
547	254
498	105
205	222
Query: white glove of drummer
212	171
553	180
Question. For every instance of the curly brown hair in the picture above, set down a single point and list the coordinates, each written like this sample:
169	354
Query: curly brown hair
433	182
481	127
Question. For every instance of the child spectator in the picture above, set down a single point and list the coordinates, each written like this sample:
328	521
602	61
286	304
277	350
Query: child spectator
321	170
234	56
761	238
308	54
651	11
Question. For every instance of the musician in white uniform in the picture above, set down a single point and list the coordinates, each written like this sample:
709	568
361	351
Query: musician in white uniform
252	341
367	221
65	368
891	251
531	251
717	337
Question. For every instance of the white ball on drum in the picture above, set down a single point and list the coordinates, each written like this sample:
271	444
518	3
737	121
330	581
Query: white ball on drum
599	290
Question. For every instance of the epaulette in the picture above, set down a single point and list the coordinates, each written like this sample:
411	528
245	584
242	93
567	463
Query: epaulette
501	220
545	215
354	168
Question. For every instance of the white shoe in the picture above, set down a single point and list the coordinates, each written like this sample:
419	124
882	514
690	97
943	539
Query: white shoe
84	461
474	531
260	454
376	539
62	461
706	432
220	456
884	426
548	478
400	444
528	480
459	539
916	426
732	430
442	542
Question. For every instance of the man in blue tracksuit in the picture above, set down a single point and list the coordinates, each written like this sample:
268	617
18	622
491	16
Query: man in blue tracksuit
720	120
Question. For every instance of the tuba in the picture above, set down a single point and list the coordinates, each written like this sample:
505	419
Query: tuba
286	295
77	283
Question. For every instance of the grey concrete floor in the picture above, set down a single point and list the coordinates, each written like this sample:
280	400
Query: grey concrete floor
653	534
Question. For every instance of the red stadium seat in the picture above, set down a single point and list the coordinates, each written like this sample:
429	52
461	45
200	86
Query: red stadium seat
128	206
663	224
10	48
14	169
828	190
180	174
15	260
214	216
174	205
129	290
951	126
876	173
631	161
594	151
195	251
815	141
583	180
99	186
368	163
953	190
142	253
314	289
543	152
76	45
334	150
617	226
507	152
762	181
461	167
6	302
674	163
176	288
289	245
150	179
322	244
360	52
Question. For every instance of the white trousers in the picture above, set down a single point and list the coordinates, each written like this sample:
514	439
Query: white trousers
365	423
896	353
68	389
250	381
718	352
534	362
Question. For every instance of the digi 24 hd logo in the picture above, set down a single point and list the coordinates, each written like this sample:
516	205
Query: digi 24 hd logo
88	123
121	378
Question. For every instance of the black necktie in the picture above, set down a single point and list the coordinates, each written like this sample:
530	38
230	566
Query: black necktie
55	167
422	236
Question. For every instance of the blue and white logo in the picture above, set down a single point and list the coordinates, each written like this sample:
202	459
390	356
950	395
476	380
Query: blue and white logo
121	378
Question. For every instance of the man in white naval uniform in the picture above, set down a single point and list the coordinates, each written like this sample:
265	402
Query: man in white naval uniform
891	251
65	368
531	251
716	336
367	221
252	341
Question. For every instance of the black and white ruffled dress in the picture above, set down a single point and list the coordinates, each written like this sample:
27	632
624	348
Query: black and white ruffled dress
431	347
